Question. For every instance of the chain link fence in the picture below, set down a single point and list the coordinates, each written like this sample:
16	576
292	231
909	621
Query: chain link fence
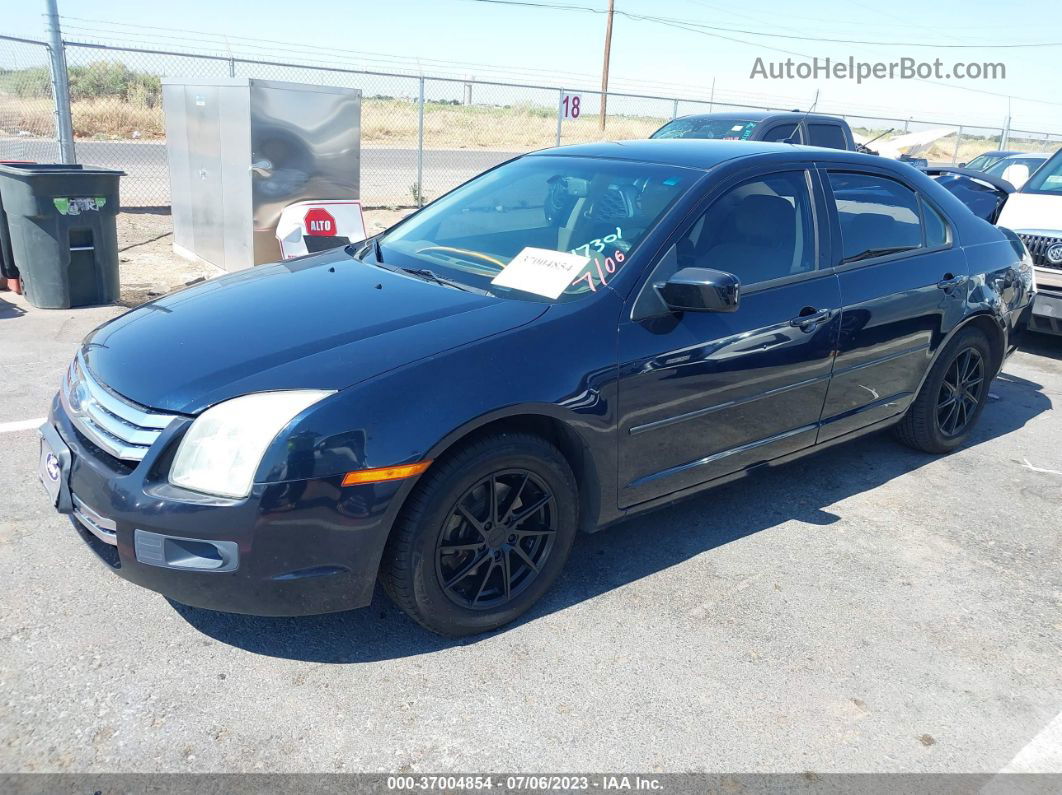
27	109
420	136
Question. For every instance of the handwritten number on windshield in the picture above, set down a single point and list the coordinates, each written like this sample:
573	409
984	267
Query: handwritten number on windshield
609	264
603	268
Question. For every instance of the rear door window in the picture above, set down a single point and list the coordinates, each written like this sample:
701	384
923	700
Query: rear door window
878	216
829	135
781	132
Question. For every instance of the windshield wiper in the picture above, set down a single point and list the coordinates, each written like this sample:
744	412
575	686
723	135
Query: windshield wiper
432	276
377	250
870	253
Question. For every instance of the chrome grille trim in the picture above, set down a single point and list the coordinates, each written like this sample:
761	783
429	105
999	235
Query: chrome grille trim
106	530
118	426
1038	242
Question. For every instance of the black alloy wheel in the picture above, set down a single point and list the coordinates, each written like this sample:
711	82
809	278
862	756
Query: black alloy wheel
952	396
496	540
483	534
960	392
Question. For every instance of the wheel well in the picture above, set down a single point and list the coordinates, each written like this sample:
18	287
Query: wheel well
995	337
570	444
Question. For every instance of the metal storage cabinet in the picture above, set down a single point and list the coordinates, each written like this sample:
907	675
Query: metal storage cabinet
240	150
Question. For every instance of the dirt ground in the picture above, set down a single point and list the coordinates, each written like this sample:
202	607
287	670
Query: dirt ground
149	268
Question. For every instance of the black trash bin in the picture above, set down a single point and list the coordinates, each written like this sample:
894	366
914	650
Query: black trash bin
7	261
63	238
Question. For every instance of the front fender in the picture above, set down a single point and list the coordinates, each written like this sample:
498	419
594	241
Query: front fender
553	367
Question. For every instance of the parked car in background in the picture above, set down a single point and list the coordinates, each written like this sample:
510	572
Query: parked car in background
987	159
812	129
1035	213
1016	169
571	338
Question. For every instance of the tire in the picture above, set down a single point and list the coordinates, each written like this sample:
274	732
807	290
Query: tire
460	565
934	425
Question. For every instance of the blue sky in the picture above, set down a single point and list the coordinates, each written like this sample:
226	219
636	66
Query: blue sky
548	46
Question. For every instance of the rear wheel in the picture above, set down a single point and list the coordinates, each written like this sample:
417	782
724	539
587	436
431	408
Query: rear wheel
952	397
484	534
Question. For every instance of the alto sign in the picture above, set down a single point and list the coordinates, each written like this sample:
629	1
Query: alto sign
311	226
319	222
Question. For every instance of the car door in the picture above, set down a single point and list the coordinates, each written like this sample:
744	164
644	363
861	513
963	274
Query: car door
903	284
704	394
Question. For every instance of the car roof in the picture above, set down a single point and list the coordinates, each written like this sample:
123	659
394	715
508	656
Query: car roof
1028	156
762	115
1000	153
699	153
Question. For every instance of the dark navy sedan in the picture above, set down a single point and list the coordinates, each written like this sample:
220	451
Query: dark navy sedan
569	339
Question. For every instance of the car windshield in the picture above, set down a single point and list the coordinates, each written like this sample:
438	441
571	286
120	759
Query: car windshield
720	129
584	216
982	162
1048	178
1031	163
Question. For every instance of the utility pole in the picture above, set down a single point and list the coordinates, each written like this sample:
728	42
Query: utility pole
604	69
64	126
1004	136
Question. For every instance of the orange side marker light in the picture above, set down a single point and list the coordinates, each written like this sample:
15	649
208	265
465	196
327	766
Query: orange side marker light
381	474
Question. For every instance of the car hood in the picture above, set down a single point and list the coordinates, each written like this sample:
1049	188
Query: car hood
326	321
1029	211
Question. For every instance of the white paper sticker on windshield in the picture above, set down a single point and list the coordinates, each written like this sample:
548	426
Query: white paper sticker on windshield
541	271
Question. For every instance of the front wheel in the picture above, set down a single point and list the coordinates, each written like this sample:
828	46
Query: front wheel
483	535
952	397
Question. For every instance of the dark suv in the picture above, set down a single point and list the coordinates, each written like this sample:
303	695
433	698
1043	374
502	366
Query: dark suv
831	132
569	339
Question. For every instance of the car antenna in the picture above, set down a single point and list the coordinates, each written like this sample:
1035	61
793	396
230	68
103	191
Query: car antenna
803	119
865	147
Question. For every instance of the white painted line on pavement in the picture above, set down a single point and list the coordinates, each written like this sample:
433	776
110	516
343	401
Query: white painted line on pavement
21	425
1038	469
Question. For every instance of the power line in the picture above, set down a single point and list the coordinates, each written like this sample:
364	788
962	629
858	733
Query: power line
705	31
228	42
744	32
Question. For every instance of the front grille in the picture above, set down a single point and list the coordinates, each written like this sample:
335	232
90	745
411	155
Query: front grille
1038	246
117	426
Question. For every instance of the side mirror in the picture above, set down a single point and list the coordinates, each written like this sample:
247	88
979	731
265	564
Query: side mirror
961	165
700	290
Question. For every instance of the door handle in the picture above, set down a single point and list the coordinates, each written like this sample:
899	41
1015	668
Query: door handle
950	281
809	318
263	168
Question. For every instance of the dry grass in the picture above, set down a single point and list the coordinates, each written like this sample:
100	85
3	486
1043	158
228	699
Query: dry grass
387	122
514	127
93	119
394	122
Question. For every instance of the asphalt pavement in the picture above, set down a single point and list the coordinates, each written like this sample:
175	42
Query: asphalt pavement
388	175
868	609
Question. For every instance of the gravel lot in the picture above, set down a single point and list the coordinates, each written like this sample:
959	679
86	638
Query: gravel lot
869	609
148	267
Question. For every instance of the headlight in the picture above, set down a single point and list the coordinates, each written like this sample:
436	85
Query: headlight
222	450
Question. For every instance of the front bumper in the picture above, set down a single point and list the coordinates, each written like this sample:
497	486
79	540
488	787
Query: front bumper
294	548
1046	314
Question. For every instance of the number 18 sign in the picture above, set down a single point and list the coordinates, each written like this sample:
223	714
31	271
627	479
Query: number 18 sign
571	105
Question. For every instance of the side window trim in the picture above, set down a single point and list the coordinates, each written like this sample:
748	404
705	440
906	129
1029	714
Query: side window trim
837	257
949	233
819	224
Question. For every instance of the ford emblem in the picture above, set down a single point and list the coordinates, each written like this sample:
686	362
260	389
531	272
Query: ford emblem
51	466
